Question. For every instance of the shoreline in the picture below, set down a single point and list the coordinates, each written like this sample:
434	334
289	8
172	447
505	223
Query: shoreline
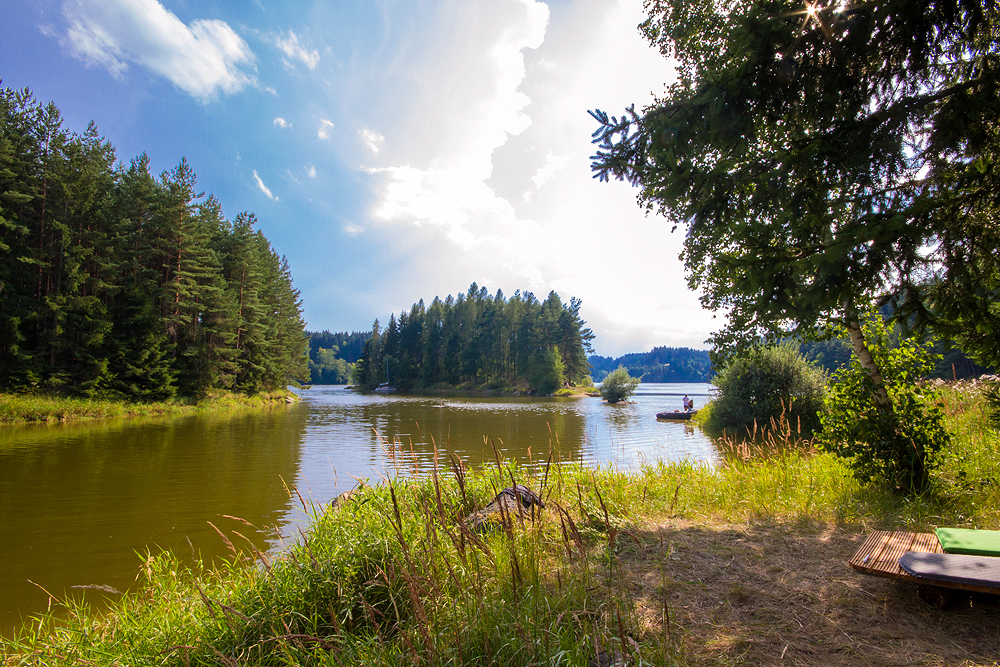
679	565
741	563
51	409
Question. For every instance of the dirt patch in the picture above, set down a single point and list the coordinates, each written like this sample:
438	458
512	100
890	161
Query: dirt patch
771	594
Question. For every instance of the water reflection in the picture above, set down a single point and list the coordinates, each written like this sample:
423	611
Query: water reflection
355	433
78	502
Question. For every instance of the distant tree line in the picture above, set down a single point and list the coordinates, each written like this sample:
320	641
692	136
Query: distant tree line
117	283
479	339
332	356
661	364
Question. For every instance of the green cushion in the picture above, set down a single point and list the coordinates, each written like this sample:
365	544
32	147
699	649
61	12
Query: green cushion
970	542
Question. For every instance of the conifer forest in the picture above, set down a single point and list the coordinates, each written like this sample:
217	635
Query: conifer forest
118	283
479	339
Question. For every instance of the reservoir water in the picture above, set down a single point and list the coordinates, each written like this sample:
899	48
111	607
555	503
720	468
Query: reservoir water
81	503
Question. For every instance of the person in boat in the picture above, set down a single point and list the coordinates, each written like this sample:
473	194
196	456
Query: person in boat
688	403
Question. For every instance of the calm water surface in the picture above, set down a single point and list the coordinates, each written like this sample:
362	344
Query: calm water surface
80	504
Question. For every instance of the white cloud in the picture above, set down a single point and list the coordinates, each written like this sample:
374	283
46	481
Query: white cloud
263	188
281	122
311	171
372	139
485	167
350	229
553	164
202	59
324	126
289	45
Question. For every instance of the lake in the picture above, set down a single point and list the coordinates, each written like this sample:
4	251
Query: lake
81	503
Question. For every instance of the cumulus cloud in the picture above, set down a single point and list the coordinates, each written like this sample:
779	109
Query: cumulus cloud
311	171
290	46
487	162
281	122
372	139
203	58
263	188
472	104
324	127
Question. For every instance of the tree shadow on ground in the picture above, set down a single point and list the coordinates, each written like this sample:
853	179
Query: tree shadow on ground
780	594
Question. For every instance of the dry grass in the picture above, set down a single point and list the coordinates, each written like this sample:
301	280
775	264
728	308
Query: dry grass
778	594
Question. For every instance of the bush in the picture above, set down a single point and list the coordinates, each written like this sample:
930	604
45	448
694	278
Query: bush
764	386
618	385
899	447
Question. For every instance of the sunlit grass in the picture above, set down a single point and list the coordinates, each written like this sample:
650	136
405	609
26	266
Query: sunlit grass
22	408
395	574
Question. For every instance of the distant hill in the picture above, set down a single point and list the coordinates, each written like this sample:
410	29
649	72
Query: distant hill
661	364
683	364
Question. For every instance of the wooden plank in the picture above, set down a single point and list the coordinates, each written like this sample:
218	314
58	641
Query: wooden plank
879	556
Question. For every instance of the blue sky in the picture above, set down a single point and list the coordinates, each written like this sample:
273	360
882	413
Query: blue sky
393	150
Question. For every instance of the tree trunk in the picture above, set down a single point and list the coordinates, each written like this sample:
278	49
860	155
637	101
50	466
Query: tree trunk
882	399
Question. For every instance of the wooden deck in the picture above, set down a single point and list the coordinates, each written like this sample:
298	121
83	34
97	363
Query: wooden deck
879	556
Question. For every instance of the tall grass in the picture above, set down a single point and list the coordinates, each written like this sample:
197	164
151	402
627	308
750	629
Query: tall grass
396	575
391	576
21	408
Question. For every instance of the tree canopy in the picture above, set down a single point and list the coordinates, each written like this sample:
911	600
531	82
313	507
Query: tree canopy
332	355
115	282
479	338
822	156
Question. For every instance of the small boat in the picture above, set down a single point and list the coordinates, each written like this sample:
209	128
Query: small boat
385	387
676	415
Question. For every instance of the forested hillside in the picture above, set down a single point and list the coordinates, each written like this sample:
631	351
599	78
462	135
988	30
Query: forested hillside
114	282
661	364
479	339
332	356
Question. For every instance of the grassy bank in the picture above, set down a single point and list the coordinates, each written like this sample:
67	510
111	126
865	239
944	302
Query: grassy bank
24	408
678	564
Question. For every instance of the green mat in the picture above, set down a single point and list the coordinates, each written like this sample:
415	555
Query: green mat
969	542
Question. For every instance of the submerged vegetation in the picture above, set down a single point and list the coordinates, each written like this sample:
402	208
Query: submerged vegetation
673	564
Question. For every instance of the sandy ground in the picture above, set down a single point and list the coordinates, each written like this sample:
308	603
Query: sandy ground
769	594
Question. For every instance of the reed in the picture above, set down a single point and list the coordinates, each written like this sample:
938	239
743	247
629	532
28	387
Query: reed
25	408
394	574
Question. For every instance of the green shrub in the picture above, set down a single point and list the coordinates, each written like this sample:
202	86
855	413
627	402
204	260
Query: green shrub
618	385
895	447
765	386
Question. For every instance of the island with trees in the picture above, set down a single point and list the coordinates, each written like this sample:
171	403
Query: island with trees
823	160
480	341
